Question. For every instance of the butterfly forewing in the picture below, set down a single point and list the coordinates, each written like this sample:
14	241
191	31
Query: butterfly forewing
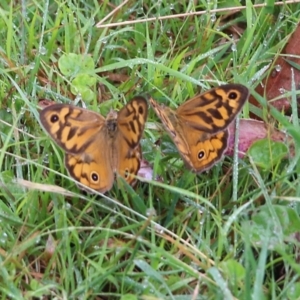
214	110
132	119
72	128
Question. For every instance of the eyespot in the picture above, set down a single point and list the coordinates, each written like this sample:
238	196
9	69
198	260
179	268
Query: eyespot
141	110
54	118
233	95
201	154
94	177
126	174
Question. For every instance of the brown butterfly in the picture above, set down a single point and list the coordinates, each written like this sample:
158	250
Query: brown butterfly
198	126
96	148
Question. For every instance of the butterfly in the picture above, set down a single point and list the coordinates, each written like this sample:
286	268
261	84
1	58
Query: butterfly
96	147
198	127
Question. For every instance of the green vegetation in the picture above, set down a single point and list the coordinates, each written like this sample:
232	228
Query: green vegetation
229	233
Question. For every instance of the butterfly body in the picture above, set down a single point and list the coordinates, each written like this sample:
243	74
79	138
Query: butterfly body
97	147
199	126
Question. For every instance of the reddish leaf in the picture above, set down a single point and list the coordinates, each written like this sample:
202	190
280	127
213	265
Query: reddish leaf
145	170
279	79
251	131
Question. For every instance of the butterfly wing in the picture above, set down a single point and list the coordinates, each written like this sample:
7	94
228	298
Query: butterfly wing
72	128
204	149
172	125
131	123
92	170
82	135
129	163
214	110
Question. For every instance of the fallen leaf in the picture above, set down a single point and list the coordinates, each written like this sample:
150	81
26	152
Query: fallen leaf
253	130
145	170
279	79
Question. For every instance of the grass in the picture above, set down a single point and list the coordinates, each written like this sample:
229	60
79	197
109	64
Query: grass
229	233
